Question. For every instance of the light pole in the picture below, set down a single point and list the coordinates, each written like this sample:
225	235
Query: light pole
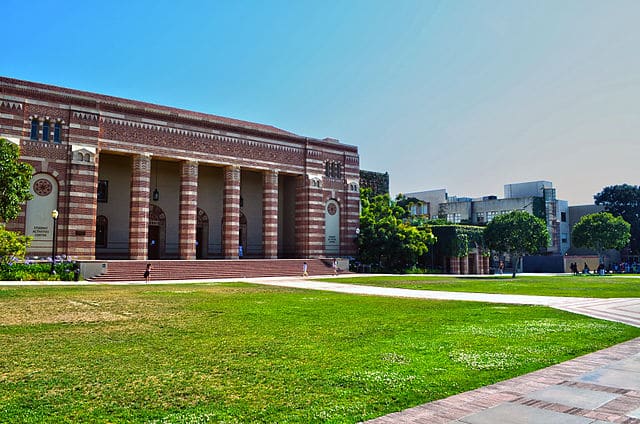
54	215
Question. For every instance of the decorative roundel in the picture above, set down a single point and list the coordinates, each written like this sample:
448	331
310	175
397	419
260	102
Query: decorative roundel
42	187
332	209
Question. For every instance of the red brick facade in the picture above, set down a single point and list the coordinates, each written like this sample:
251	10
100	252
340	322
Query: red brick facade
83	127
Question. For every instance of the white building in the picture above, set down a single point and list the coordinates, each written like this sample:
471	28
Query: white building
536	197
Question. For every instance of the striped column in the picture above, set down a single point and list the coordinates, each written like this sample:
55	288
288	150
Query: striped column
231	212
464	265
188	209
81	212
485	264
454	265
474	263
270	214
139	210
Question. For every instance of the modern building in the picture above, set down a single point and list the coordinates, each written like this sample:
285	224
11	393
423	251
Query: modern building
142	181
536	197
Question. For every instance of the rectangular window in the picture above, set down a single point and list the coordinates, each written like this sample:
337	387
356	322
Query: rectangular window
34	129
56	132
480	218
564	237
45	131
563	216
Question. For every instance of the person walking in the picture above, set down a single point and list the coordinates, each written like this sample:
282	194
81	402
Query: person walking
147	273
304	269
334	265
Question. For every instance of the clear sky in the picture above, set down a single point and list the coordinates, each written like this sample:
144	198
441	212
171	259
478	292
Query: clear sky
455	94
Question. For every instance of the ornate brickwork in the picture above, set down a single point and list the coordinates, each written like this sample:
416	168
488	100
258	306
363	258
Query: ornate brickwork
90	124
270	214
139	211
231	211
188	209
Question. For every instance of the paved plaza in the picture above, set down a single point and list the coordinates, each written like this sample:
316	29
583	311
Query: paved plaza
601	387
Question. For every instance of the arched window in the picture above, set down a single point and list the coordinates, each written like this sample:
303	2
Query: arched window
102	227
46	127
56	132
34	128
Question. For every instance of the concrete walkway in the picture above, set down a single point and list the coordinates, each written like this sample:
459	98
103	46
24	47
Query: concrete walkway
601	387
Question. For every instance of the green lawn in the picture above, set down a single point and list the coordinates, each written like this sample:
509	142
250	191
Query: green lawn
238	353
566	285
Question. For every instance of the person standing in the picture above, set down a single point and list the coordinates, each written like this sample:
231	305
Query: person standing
335	266
304	269
147	273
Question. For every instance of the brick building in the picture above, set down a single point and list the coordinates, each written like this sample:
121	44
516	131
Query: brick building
135	180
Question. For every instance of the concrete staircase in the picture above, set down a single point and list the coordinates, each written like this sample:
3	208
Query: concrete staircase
129	270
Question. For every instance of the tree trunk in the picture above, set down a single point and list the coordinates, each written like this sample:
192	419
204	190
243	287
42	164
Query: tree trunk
515	266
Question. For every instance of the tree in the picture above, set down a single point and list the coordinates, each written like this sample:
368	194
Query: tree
385	239
624	201
14	181
601	231
517	233
12	245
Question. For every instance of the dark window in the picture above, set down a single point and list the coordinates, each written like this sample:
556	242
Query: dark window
103	191
45	131
102	226
56	132
563	216
34	129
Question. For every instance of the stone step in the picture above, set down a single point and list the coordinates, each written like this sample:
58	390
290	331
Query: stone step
211	269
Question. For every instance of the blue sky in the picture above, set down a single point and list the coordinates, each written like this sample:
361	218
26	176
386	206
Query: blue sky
463	95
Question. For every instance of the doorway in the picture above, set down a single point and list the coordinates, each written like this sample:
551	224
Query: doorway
153	247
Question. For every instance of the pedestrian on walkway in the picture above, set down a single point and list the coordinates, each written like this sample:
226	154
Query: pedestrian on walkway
147	273
304	269
335	266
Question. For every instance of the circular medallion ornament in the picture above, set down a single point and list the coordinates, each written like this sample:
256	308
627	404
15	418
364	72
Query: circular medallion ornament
332	209
42	187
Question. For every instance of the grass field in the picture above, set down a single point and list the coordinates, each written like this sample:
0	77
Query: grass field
566	285
237	353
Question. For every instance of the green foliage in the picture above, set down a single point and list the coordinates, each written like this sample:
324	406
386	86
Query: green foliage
40	271
601	231
14	181
13	246
387	240
624	201
238	353
516	233
457	240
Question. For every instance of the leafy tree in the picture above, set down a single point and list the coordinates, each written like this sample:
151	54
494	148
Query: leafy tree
12	245
517	233
624	201
14	181
601	231
386	240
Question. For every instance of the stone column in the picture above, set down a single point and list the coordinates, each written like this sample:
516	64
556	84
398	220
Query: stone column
270	214
188	209
464	265
231	212
139	210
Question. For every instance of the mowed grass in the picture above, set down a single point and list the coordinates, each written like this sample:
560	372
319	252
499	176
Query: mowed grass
238	353
565	285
